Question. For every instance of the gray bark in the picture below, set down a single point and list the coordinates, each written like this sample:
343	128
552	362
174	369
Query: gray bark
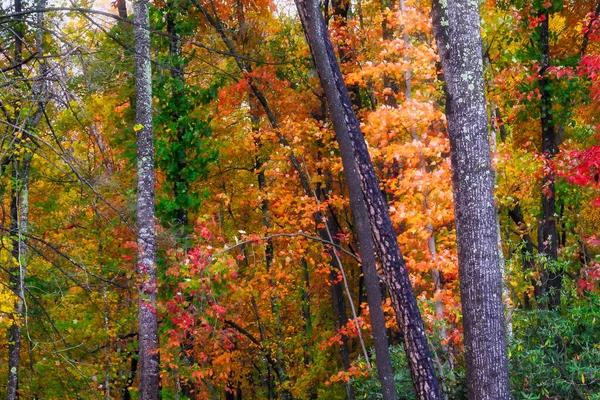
358	167
457	32
146	268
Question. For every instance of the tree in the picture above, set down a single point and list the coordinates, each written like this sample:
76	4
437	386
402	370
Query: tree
457	32
149	386
358	168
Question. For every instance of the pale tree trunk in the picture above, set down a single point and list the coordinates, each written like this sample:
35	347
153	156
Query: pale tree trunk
16	278
358	167
19	207
147	314
19	218
457	32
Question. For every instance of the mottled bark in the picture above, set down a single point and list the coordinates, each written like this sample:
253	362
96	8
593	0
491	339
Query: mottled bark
385	370
358	167
149	385
457	32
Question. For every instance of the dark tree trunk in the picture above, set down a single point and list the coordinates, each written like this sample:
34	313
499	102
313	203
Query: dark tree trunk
457	32
338	301
551	280
125	394
122	8
149	386
340	17
358	167
385	370
306	313
331	230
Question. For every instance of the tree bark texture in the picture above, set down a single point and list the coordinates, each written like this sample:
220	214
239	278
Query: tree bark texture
360	215
146	263
457	32
358	167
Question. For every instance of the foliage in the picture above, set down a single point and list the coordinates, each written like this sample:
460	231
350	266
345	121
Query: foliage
557	355
246	282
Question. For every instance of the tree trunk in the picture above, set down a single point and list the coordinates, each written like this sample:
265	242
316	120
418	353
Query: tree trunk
548	292
16	276
19	221
147	316
358	167
457	32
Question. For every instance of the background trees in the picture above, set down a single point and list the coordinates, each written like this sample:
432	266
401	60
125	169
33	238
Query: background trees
261	292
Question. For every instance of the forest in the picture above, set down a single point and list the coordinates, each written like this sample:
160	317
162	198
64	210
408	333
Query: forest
308	199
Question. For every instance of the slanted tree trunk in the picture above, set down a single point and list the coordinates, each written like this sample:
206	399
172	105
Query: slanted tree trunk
358	168
457	32
147	315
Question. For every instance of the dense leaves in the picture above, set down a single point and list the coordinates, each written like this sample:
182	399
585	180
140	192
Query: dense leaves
252	302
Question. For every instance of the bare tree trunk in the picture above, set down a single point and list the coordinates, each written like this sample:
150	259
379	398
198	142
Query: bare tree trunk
457	32
147	316
16	278
19	218
548	292
358	167
19	207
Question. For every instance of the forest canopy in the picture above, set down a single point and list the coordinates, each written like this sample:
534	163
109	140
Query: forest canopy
255	199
